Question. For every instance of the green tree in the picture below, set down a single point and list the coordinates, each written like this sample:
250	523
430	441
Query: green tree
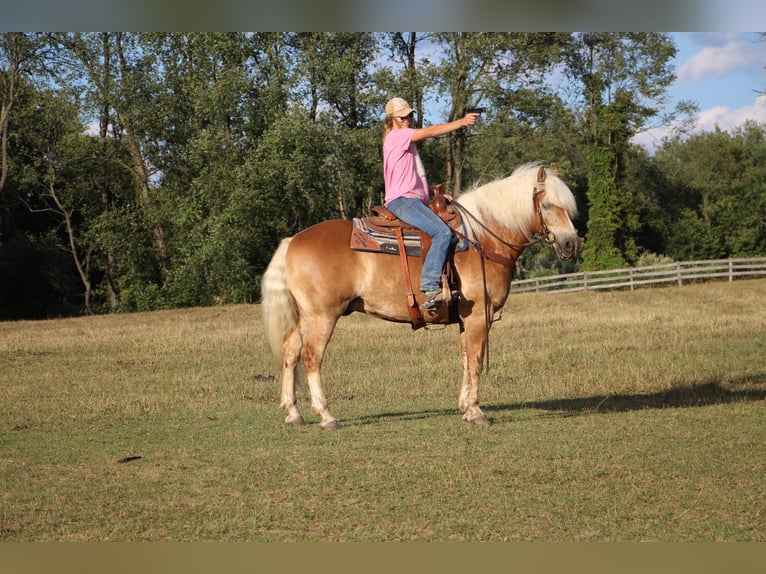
604	222
338	87
21	61
36	279
291	172
475	68
410	82
121	81
206	120
204	149
623	79
713	195
467	60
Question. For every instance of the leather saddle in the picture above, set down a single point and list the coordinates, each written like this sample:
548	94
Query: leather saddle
385	233
379	231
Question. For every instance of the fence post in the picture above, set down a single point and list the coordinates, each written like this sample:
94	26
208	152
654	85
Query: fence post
631	279
731	270
678	269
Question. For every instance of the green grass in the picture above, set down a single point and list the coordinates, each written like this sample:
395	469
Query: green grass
617	416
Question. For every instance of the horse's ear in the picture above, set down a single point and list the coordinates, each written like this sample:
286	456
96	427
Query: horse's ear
541	175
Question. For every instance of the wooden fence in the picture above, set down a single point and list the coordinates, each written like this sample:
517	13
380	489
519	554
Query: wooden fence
632	277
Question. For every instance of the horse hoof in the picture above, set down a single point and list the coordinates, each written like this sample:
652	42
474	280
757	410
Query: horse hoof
330	425
295	421
480	420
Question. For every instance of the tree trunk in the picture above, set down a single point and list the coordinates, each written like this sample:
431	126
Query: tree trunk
106	196
14	56
141	175
67	215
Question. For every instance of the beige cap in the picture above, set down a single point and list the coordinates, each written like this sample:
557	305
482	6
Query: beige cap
398	107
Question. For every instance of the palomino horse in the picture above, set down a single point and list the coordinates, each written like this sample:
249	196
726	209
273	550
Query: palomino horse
315	277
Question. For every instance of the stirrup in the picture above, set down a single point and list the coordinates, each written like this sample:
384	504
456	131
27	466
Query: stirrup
433	299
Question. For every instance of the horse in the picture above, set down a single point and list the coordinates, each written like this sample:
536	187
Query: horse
314	278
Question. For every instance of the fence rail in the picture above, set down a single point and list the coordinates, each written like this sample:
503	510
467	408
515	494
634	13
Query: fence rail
632	277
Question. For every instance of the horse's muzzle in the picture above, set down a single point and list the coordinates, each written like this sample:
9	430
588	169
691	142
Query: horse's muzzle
566	246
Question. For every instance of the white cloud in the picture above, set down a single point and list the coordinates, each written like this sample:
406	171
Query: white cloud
721	72
707	120
92	129
728	119
723	54
652	138
710	118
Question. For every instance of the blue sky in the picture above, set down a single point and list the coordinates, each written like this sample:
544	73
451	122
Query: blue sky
722	72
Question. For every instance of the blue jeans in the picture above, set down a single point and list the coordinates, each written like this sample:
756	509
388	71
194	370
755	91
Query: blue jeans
417	214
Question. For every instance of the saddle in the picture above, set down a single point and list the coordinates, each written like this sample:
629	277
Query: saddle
383	232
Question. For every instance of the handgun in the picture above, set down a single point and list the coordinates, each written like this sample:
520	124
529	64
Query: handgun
475	110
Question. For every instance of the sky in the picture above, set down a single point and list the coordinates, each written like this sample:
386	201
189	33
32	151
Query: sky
722	72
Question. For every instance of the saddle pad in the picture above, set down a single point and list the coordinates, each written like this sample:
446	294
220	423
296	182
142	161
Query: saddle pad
365	239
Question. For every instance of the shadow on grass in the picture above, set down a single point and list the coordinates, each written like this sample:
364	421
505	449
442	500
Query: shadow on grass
399	415
710	392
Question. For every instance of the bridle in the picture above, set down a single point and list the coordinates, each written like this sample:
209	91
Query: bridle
547	237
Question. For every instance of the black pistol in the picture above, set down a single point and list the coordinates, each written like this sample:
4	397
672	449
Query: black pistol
475	110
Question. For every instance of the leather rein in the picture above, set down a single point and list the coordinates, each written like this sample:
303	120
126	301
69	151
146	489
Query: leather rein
507	261
496	257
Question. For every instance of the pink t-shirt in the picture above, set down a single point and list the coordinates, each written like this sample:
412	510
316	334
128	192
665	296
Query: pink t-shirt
403	172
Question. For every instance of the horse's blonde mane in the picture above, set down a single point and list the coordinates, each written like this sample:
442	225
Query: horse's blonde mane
509	200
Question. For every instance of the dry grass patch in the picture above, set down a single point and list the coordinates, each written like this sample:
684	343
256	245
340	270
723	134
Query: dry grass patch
618	416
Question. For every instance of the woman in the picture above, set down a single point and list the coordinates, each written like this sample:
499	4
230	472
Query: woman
407	194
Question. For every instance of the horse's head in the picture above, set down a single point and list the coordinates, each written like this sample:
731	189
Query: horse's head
554	220
531	201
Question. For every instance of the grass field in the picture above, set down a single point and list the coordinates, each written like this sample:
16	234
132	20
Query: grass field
617	416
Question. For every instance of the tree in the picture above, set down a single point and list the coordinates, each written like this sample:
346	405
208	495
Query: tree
22	60
206	121
204	149
410	82
623	78
714	197
35	274
338	86
119	78
468	60
474	68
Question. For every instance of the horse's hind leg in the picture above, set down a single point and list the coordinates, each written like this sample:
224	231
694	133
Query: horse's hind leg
291	351
316	334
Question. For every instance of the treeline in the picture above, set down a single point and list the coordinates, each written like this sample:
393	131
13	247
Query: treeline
152	170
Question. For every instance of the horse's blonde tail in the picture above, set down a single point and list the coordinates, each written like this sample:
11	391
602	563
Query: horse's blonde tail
278	308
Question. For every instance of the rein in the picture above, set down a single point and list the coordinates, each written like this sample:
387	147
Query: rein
496	257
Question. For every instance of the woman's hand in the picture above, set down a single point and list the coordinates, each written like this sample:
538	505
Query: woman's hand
469	119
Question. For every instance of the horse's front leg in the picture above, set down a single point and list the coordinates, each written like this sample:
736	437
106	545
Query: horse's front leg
472	345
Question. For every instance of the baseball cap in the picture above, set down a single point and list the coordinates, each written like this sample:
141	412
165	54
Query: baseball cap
398	107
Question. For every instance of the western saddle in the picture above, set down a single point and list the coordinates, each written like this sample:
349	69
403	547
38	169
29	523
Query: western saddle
378	232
